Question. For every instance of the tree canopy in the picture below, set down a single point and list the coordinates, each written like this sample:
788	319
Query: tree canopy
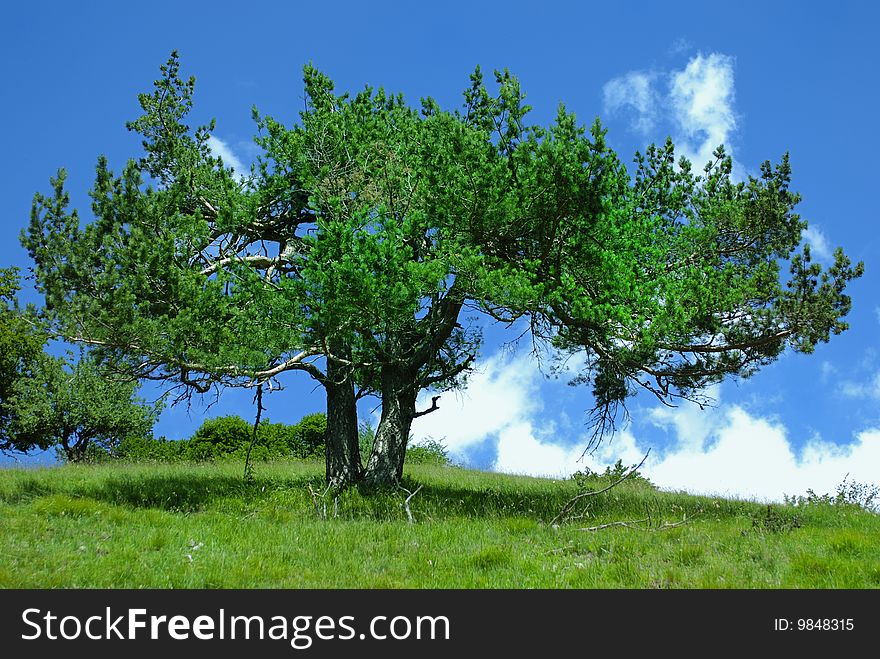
47	401
77	408
365	229
21	348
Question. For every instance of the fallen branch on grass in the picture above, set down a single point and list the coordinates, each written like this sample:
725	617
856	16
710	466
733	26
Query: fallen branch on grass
320	502
639	524
405	504
566	509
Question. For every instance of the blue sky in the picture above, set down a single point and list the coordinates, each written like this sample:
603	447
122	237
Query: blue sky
764	78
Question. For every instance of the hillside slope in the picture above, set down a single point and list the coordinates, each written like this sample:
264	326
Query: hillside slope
200	526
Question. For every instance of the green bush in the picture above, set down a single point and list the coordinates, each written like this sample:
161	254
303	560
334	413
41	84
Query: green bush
849	493
589	480
310	436
228	437
366	437
427	452
148	449
278	436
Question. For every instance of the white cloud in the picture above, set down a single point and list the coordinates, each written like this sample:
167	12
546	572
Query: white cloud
868	389
723	450
692	425
697	107
702	98
827	369
520	452
680	45
503	393
221	149
634	90
753	458
818	242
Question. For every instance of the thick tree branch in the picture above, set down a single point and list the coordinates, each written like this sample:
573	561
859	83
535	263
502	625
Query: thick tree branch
297	362
708	348
257	261
447	374
434	407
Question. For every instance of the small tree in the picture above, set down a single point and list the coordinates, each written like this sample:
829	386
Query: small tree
75	407
21	348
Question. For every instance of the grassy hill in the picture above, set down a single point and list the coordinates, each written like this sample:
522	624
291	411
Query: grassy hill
200	526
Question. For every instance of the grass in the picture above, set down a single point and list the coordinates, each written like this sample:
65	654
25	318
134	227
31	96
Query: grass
200	526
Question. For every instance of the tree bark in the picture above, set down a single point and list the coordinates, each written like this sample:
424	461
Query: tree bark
385	466
343	454
75	452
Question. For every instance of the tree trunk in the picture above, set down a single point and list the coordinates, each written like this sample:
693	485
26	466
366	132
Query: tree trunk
343	454
75	452
385	466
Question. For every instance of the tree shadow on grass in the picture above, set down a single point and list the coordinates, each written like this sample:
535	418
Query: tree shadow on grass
196	490
188	492
431	501
452	501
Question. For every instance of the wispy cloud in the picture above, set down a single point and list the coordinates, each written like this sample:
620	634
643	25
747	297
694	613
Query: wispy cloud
866	389
679	46
221	149
696	104
634	90
827	370
818	242
723	450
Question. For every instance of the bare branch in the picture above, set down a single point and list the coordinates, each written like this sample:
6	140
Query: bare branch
212	374
583	495
405	504
433	408
320	502
258	400
257	261
207	204
449	374
638	524
745	345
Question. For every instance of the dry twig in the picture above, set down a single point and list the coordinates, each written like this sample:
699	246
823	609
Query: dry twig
566	509
320	502
405	504
639	524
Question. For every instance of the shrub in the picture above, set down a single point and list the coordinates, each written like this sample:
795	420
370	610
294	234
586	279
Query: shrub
587	479
774	521
305	439
427	452
309	436
229	437
219	438
148	449
366	437
849	493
